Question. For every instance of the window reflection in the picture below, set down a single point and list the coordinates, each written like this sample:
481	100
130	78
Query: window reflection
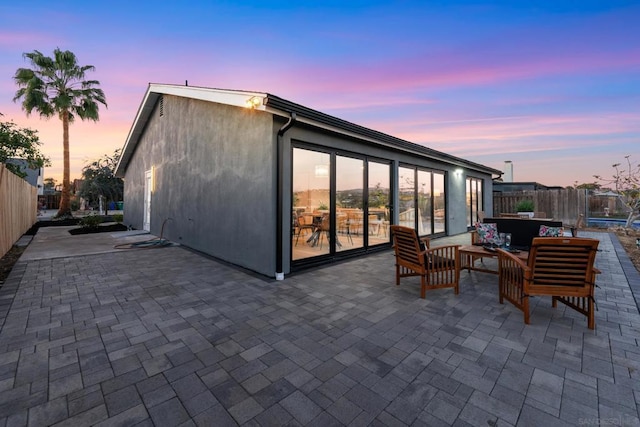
378	207
425	216
349	202
310	203
356	217
438	203
406	197
422	205
474	200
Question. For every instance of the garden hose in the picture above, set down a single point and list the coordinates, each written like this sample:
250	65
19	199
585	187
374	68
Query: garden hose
158	242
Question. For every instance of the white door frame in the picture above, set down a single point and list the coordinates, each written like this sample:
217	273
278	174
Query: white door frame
148	190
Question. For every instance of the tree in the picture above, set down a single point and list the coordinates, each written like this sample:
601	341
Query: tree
49	184
587	186
20	143
626	182
57	86
100	181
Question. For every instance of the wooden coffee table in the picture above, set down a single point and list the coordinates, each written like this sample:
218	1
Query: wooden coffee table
471	253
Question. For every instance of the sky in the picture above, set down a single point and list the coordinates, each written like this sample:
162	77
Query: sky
552	86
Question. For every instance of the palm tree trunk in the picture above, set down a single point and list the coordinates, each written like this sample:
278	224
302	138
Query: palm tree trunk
65	200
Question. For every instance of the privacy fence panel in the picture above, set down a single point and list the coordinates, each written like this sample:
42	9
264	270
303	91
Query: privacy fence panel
18	208
563	205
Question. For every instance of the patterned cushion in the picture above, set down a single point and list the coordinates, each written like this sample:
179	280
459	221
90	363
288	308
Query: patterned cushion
487	233
551	231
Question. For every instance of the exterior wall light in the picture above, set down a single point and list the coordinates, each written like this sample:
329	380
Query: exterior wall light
458	172
254	102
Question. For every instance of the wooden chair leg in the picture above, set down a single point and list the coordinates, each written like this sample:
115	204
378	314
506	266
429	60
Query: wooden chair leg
525	309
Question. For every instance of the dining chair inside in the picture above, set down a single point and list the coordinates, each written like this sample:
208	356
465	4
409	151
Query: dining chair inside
304	222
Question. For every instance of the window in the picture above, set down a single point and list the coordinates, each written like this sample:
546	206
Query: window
340	203
474	200
422	200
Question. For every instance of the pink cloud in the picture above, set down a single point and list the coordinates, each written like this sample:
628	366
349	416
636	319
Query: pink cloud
410	74
12	40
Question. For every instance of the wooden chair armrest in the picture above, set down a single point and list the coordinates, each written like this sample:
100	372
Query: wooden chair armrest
519	262
426	240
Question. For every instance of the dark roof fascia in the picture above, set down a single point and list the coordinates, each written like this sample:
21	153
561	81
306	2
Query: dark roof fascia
387	140
520	183
272	102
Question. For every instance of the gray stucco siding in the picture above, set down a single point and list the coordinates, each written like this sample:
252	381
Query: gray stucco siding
214	179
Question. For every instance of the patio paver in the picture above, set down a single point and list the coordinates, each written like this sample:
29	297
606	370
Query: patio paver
168	336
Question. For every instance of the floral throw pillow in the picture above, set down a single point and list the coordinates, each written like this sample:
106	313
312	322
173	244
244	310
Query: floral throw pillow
551	231
487	233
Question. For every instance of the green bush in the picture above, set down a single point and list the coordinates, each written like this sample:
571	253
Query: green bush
75	205
525	206
118	218
90	221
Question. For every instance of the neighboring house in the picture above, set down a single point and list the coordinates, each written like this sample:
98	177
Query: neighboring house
274	187
34	177
506	187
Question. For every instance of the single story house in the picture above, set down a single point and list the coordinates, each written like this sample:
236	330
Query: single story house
275	187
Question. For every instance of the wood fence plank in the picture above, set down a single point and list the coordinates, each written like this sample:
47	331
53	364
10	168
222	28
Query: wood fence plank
18	208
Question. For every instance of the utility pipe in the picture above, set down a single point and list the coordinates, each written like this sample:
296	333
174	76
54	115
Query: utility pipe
280	195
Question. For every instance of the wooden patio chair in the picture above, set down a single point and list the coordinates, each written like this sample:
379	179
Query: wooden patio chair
437	267
560	267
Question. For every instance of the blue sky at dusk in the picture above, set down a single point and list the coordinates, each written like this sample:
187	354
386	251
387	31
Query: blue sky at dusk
553	86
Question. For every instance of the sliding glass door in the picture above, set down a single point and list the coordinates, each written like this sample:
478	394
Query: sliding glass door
340	203
378	202
422	200
349	204
474	201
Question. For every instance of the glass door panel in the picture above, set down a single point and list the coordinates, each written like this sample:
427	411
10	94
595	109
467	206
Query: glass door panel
474	201
379	178
439	213
311	219
339	204
349	203
469	201
479	202
406	197
425	218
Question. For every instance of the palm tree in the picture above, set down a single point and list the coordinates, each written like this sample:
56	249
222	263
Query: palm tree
57	86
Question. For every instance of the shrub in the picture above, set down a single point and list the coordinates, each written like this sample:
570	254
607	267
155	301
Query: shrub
118	218
75	205
525	206
90	221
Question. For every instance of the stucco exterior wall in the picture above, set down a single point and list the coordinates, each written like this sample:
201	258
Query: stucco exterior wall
214	180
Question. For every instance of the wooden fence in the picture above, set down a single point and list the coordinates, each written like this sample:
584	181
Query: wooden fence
18	208
563	205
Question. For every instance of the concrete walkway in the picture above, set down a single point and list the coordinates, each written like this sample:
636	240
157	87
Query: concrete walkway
169	337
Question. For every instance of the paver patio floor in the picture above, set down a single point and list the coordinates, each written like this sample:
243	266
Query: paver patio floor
169	337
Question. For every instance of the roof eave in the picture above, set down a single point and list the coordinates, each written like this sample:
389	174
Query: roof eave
281	107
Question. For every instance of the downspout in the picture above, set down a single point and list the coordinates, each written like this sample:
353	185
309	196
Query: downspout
280	196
